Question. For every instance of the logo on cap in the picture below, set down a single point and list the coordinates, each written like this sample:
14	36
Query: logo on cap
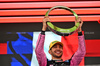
54	42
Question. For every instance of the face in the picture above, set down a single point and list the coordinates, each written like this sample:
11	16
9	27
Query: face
56	51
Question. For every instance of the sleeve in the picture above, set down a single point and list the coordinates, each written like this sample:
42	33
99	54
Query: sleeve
39	50
80	53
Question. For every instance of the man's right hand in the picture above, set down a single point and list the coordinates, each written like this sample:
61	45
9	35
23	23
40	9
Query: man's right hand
46	18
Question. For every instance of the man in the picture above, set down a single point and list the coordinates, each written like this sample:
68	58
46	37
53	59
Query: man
56	49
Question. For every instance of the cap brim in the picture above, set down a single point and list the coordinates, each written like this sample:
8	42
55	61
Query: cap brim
56	43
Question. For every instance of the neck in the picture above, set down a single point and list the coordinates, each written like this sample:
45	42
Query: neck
53	58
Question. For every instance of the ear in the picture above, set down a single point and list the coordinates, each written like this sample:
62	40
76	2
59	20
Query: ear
49	52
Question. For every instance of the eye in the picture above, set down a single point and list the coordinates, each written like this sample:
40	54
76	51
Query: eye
60	46
55	46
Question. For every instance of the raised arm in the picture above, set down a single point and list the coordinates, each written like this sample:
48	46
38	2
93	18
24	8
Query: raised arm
80	53
39	50
41	56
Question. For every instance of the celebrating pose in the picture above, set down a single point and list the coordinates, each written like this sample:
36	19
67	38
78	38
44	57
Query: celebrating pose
56	49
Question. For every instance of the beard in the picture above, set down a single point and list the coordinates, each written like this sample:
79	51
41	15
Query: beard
56	55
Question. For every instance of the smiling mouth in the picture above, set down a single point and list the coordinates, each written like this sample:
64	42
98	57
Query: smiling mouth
58	52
